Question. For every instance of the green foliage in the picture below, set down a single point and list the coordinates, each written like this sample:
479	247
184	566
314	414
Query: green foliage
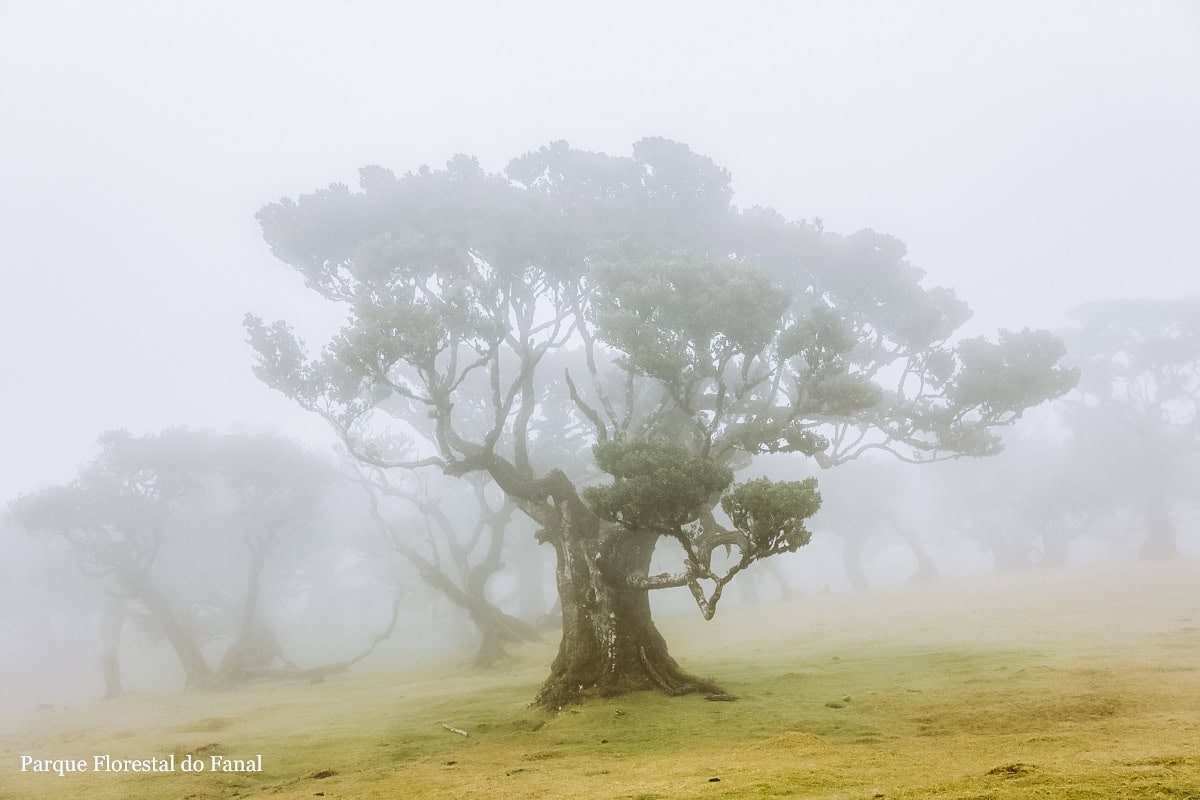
383	335
768	435
677	320
656	485
1016	372
663	197
585	298
868	277
772	514
839	395
752	331
821	340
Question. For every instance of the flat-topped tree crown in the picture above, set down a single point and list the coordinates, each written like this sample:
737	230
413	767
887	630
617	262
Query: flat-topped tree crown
583	299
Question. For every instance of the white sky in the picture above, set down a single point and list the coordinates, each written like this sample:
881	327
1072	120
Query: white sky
1033	155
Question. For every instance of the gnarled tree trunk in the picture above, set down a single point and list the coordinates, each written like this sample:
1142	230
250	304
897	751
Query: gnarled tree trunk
610	645
497	629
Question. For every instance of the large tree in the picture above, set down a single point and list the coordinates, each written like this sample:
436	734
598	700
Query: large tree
706	334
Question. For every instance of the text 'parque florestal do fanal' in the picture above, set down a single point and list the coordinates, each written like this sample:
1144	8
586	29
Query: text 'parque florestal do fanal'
169	763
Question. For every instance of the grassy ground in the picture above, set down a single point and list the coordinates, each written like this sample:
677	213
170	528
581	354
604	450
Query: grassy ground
1057	684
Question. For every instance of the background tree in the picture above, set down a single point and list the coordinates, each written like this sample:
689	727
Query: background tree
875	501
707	335
116	517
178	528
452	553
45	610
1140	389
1026	506
276	487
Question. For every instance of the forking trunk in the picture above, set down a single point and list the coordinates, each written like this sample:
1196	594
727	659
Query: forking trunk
610	645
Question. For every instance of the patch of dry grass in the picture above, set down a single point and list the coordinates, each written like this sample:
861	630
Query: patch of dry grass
1056	684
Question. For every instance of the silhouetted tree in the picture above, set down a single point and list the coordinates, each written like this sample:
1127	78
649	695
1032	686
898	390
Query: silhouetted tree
117	516
138	516
276	487
453	558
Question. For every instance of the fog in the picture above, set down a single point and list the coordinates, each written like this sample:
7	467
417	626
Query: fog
1033	157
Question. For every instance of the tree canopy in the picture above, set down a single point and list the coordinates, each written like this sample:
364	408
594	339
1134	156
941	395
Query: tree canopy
623	306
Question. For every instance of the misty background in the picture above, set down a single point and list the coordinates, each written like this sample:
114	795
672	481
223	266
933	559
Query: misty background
1032	156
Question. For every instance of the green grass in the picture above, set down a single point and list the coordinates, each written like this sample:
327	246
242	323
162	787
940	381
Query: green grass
1053	684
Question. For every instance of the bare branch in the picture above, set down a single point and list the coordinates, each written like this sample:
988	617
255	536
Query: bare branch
585	409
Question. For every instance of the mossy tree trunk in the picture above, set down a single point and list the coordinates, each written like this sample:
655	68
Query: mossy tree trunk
610	644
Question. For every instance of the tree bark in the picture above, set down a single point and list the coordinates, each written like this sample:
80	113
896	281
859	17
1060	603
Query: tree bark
610	645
